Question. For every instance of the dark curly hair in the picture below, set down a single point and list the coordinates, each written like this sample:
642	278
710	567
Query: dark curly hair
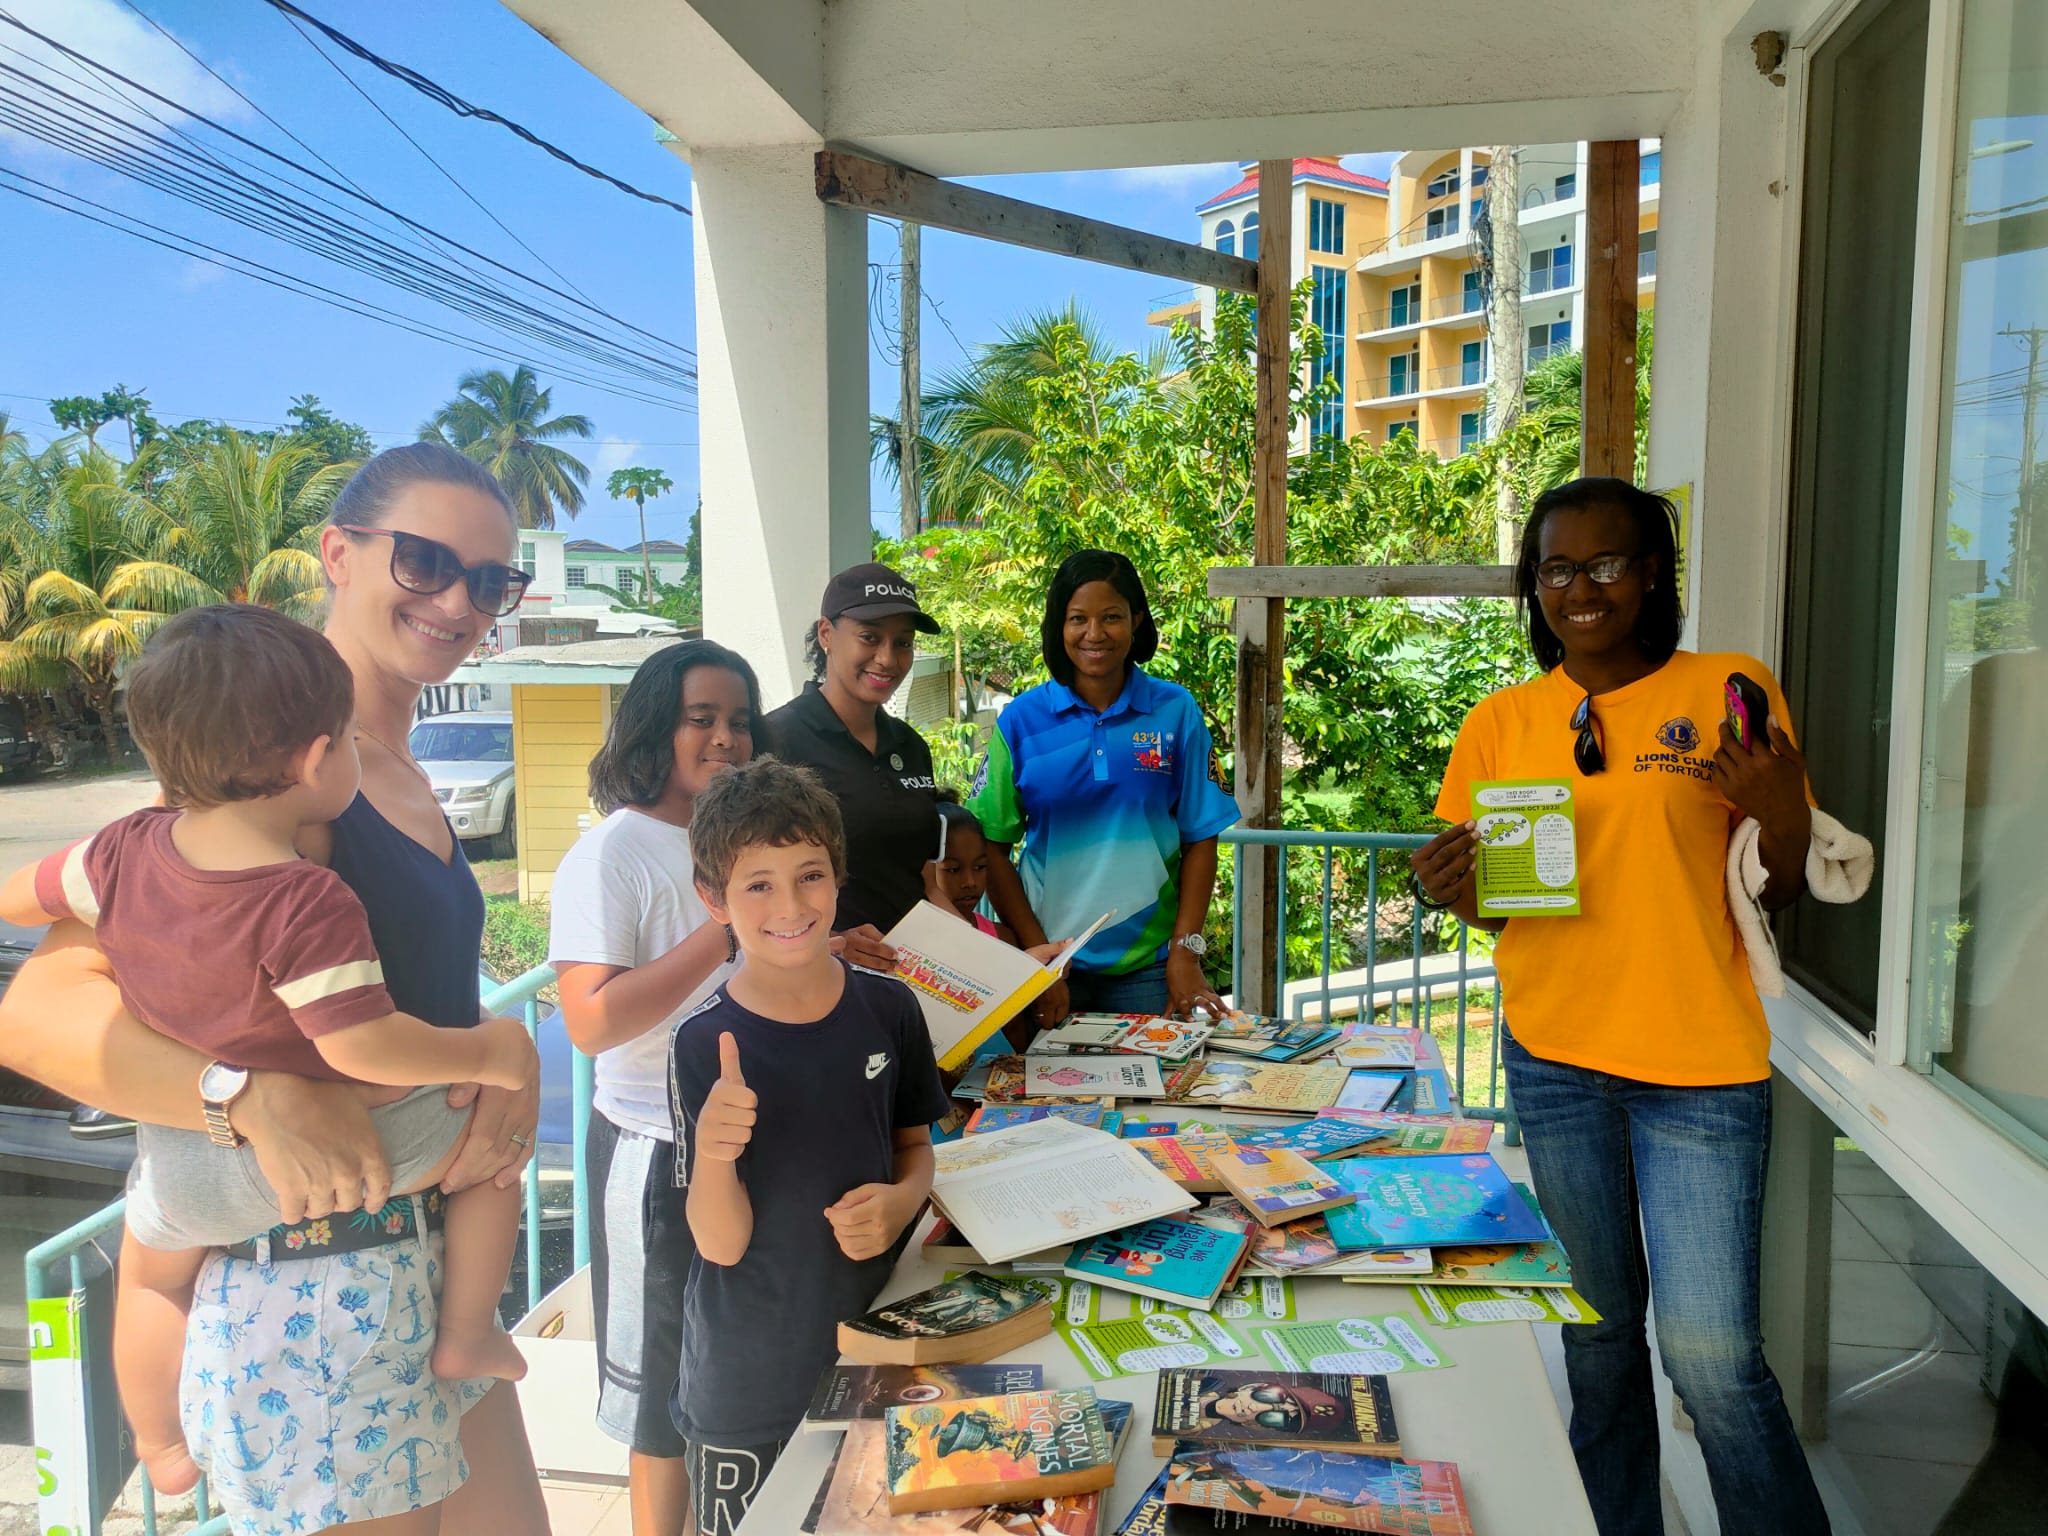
1075	572
1655	519
765	801
639	751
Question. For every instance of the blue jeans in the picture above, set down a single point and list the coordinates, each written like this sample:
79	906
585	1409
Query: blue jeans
1616	1162
1139	991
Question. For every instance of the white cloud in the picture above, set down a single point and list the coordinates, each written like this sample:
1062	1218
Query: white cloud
612	453
194	274
110	34
1187	181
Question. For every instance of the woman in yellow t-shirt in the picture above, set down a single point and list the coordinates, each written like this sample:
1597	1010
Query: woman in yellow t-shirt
1638	1064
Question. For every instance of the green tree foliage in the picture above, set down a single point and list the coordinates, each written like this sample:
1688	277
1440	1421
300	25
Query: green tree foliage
501	420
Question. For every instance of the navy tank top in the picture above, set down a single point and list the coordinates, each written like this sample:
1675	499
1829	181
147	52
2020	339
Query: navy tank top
426	917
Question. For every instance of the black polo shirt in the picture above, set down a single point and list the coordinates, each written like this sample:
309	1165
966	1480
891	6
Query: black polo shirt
886	798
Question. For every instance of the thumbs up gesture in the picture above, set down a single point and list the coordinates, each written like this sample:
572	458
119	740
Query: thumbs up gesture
726	1123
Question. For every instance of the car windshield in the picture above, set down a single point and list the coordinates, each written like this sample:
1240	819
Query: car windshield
458	741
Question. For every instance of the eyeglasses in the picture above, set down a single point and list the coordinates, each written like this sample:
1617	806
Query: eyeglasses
1604	569
426	567
1586	750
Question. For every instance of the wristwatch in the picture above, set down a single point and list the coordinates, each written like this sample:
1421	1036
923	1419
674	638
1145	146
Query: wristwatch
219	1086
1193	943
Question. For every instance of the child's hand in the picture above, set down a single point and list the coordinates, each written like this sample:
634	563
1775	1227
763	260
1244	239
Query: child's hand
865	1220
726	1123
510	1060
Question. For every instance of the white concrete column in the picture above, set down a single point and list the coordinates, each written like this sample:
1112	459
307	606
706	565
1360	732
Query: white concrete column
782	370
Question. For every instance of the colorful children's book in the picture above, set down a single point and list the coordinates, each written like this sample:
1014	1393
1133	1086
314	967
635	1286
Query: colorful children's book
1430	1093
1271	1039
1242	1084
1187	1158
1457	1306
1305	1410
1382	1263
1406	1135
1372	1090
1094	1113
1133	1076
963	1321
996	1450
850	1392
1168	1039
1084	1032
969	983
1313	1139
1170	1259
1541	1265
1322	1489
1134	1130
1292	1249
1148	1515
1406	1202
1044	1185
1376	1045
1277	1186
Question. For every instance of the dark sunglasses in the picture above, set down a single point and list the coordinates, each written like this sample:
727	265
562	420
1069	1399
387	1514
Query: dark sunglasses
426	567
1586	749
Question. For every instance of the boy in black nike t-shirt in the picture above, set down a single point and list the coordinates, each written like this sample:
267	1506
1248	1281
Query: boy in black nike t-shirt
803	1092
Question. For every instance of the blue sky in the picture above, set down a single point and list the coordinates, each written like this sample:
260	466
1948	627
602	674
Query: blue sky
89	307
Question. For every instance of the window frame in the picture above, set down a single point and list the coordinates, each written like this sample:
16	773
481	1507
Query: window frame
575	577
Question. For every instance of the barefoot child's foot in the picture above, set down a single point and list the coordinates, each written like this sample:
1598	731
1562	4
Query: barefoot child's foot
458	1356
170	1467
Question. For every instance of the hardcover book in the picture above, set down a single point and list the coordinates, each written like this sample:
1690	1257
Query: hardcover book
996	1450
847	1393
1244	1084
1276	1185
1170	1260
1309	1410
963	1321
1323	1489
1407	1202
969	983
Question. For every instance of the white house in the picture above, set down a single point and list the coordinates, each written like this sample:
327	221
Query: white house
565	571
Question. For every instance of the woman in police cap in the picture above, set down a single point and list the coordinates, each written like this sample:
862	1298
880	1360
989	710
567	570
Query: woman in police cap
880	770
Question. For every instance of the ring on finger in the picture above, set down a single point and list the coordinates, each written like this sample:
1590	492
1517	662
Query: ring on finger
519	1140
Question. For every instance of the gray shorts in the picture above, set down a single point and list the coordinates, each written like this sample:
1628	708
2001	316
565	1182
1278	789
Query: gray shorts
186	1192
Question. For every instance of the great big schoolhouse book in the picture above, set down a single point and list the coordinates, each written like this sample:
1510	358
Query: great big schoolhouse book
969	983
1044	1185
962	1321
1321	1489
1309	1410
1172	1259
847	1393
996	1450
1278	1186
1407	1202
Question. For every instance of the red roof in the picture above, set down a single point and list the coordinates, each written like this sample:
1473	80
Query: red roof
1306	168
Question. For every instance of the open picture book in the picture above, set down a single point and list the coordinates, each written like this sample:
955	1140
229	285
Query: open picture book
969	983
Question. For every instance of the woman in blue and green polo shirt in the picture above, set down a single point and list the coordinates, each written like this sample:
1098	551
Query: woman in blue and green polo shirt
1103	774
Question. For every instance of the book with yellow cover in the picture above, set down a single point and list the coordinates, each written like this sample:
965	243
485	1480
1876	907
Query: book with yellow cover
997	1450
1185	1158
1244	1084
1277	1185
969	983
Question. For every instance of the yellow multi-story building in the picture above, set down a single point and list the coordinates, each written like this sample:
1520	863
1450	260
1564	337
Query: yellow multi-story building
1397	283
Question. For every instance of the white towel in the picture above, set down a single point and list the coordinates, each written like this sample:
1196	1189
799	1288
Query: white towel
1838	869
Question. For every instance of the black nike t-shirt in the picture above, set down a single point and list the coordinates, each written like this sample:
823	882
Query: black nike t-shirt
833	1094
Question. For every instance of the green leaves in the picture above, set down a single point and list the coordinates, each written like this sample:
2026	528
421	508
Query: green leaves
501	420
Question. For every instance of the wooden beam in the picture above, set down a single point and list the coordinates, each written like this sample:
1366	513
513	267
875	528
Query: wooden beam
1262	623
1284	581
1613	213
895	192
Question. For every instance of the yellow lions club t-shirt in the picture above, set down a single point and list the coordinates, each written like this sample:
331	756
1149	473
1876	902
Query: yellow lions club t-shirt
1650	980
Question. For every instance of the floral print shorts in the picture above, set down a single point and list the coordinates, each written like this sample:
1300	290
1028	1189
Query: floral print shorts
306	1395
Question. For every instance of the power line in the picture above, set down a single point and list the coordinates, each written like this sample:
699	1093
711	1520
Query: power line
461	108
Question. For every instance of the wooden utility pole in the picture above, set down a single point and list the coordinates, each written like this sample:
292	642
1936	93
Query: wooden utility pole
910	295
1607	430
1504	329
1261	621
2020	561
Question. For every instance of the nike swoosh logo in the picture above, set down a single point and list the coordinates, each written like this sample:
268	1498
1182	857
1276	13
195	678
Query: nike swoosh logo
875	1069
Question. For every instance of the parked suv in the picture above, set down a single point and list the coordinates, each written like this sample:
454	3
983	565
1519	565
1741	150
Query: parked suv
469	759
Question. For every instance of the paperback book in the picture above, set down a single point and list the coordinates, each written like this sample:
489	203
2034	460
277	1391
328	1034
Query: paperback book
969	983
1171	1260
1312	1139
1407	1202
1073	1302
847	1393
1133	1076
1322	1489
1306	1410
963	1321
1278	1186
1242	1084
1376	1045
1271	1039
1372	1090
1187	1158
1406	1135
996	1450
1044	1185
1093	1113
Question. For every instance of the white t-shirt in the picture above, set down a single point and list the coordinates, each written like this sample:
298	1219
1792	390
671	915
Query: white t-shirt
625	895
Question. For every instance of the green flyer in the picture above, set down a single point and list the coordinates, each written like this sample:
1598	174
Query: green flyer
1073	1301
1139	1344
1263	1298
1384	1345
1460	1306
1528	848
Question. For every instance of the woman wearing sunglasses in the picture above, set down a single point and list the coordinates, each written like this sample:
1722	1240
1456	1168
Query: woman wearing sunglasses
1639	1062
417	554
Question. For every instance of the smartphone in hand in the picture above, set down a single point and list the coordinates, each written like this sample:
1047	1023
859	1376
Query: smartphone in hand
1747	709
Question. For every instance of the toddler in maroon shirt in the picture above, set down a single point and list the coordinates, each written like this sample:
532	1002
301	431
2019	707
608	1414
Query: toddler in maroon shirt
222	937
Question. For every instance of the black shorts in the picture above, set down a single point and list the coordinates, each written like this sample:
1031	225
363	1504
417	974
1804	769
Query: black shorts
724	1482
640	1253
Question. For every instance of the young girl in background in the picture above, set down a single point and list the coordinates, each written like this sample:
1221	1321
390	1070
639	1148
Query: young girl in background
635	950
957	879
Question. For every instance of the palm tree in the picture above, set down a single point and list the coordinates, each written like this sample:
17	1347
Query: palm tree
1544	448
640	484
502	422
